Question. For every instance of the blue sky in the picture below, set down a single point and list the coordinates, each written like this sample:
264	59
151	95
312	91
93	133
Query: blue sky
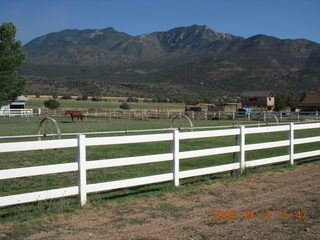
279	18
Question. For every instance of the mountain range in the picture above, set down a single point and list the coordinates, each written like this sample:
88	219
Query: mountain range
192	60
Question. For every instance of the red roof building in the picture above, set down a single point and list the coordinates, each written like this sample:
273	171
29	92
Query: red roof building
310	103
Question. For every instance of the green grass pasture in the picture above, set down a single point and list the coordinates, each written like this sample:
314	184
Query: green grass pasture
23	125
74	104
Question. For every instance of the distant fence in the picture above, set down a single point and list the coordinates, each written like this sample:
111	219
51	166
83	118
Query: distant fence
202	115
81	165
16	112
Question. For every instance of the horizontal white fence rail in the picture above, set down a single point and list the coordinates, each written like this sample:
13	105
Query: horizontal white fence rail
16	112
81	165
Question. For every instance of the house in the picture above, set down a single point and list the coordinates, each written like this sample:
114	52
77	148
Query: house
310	103
258	100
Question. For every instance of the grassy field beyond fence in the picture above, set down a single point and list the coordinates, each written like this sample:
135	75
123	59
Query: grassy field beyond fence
109	104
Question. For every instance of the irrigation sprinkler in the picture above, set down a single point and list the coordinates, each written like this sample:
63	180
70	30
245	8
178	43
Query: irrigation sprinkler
48	129
181	122
266	117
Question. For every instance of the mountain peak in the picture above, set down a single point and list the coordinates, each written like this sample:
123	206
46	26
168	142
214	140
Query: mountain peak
109	29
108	46
190	57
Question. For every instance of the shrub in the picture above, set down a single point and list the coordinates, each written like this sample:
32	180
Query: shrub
132	99
125	106
51	104
96	99
82	98
66	97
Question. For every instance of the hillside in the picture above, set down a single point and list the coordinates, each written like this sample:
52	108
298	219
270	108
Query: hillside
192	60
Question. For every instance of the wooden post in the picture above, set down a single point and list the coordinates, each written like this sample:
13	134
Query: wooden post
241	154
175	162
291	144
82	173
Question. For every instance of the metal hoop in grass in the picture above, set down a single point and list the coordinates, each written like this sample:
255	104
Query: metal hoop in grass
177	121
265	117
49	127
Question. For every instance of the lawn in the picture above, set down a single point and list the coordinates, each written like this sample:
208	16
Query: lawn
23	125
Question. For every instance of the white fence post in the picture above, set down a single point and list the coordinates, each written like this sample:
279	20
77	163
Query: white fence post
241	143
291	144
82	172
175	162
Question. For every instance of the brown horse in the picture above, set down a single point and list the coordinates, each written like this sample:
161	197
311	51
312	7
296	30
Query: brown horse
77	114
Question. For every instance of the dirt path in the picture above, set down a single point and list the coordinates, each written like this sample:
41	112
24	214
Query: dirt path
188	214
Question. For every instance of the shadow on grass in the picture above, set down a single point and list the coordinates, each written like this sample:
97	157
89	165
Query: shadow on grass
31	211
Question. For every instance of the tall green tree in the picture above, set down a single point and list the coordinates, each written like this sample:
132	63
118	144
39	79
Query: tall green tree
293	100
281	102
11	56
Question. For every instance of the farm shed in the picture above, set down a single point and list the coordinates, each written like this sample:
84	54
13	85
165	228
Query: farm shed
225	107
310	103
258	100
198	107
18	103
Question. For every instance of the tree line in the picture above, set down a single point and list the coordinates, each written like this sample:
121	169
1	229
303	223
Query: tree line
290	100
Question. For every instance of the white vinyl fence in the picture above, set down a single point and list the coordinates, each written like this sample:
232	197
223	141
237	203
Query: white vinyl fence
16	112
81	165
193	115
